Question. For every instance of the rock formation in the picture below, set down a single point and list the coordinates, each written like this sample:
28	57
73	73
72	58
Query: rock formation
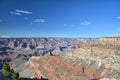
81	59
86	63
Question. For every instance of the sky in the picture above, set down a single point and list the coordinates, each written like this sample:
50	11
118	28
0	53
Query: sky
59	18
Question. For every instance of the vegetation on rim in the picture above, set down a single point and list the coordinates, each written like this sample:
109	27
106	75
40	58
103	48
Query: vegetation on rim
9	73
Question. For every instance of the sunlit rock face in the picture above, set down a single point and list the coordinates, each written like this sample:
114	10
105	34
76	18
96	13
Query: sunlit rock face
72	66
97	61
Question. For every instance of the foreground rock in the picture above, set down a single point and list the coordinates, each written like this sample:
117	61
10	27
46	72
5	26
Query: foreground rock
93	62
71	67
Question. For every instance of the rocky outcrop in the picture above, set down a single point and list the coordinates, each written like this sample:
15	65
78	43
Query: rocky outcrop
22	67
62	68
72	66
92	62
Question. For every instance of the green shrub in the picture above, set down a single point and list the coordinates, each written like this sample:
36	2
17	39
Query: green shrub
9	73
6	70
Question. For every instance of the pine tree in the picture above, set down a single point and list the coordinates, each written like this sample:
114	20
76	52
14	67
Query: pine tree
9	73
6	70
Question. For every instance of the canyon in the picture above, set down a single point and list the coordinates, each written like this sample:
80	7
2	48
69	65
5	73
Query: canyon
24	48
65	59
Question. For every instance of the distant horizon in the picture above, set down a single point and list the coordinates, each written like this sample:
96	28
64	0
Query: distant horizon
65	37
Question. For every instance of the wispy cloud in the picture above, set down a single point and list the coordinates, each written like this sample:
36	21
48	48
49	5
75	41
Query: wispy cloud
118	17
23	11
85	23
16	13
20	12
37	20
40	20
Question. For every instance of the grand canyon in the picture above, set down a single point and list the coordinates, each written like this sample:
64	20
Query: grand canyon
63	58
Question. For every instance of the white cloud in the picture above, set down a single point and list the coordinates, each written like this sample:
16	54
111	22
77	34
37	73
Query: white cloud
16	13
20	12
85	23
23	11
39	20
118	17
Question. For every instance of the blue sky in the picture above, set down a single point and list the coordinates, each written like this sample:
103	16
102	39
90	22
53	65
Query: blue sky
59	18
